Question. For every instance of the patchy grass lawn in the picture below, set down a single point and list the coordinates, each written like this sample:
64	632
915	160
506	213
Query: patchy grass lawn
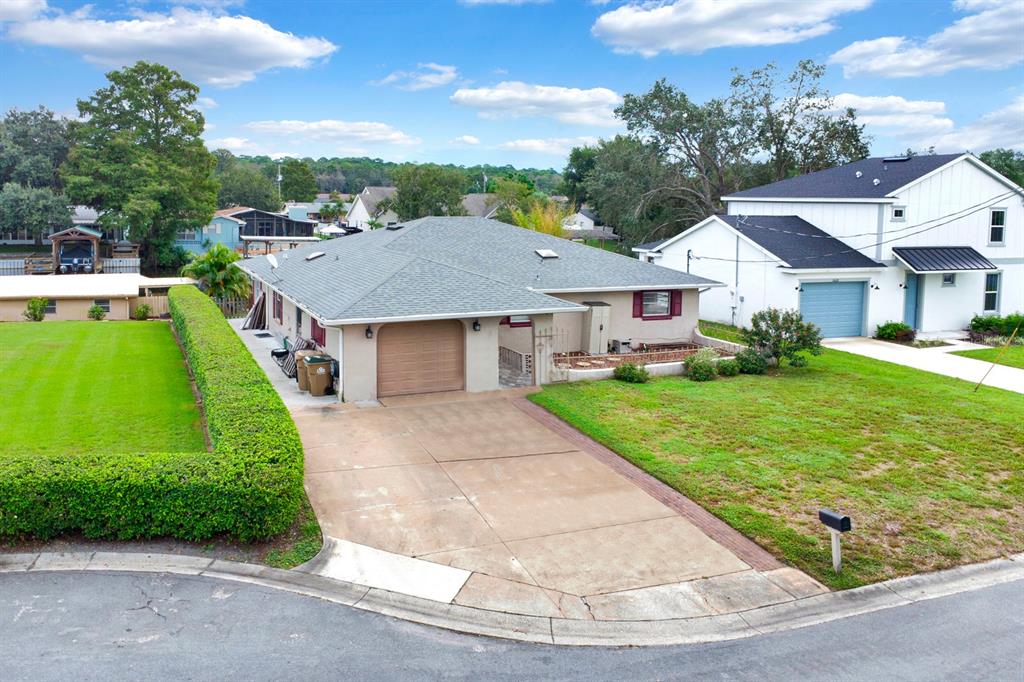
931	472
1013	357
719	330
73	387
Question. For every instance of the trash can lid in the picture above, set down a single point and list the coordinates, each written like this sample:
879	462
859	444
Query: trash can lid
317	359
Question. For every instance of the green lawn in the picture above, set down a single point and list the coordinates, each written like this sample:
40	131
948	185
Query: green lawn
78	387
1013	357
718	330
931	472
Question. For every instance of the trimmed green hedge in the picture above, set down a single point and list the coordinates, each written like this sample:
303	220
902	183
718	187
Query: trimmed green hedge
249	487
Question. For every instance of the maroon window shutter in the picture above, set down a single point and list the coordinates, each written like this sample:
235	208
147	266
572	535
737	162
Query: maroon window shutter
677	303
638	304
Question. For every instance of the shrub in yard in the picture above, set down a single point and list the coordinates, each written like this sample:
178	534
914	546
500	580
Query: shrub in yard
895	331
751	362
96	313
35	311
701	366
782	335
249	486
993	324
142	311
728	368
631	373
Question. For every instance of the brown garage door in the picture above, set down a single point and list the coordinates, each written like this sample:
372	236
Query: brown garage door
420	357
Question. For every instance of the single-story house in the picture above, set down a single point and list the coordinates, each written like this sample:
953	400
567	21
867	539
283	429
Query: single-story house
584	224
929	240
443	303
365	208
71	296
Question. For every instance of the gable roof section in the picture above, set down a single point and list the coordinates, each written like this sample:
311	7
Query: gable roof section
842	182
922	259
371	196
652	246
451	267
481	205
797	242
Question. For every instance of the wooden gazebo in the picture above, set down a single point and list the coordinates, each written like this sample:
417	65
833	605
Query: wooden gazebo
69	250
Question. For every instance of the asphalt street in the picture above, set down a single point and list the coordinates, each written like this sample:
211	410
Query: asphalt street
122	626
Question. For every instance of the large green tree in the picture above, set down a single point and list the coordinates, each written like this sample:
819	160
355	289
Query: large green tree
426	190
1008	162
246	186
139	158
297	181
580	164
36	209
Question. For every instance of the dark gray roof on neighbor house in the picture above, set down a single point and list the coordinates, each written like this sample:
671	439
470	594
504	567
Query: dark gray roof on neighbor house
589	213
651	246
942	258
796	241
480	205
372	196
842	182
438	267
599	233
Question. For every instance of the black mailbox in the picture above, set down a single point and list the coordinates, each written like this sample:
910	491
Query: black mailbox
835	521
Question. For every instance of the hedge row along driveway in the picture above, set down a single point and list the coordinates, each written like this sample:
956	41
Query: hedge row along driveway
249	486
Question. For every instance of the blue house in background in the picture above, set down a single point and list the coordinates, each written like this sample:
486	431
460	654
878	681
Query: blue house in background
223	229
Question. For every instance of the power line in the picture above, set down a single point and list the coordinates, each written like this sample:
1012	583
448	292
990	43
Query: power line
951	218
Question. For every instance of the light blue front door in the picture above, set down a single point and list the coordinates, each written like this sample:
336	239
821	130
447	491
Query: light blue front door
910	300
836	307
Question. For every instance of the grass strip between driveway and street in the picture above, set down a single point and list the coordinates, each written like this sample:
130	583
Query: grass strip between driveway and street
931	472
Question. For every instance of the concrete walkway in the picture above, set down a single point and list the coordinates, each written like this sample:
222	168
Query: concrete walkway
937	360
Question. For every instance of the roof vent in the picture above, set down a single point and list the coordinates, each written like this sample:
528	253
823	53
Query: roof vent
546	253
858	174
314	255
876	182
895	159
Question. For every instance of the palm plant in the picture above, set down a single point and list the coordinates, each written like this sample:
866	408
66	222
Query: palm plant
215	274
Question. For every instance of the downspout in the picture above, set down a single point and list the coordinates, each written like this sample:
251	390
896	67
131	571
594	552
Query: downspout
736	282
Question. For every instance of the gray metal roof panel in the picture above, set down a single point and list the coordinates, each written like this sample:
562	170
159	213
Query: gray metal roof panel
942	258
842	182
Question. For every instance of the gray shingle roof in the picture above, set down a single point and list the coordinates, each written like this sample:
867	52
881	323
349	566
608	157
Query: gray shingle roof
480	205
651	246
842	182
942	258
374	195
796	241
451	266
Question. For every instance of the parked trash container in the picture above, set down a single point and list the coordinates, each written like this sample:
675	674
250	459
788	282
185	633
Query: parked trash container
301	357
318	370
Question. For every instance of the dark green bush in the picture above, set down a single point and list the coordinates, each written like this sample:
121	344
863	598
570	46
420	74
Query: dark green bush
96	313
249	486
701	366
634	374
728	368
781	335
751	362
35	311
895	331
993	324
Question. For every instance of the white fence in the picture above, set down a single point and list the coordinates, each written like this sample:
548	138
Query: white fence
12	266
121	265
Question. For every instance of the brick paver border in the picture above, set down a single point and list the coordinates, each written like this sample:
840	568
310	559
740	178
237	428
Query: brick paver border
746	549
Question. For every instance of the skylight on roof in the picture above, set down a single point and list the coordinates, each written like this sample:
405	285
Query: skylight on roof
546	253
314	255
895	159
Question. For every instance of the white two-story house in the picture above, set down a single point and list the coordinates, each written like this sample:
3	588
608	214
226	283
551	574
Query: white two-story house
928	240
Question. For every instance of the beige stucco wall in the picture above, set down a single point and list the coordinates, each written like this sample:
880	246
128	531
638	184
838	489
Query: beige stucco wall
519	339
622	324
482	355
67	309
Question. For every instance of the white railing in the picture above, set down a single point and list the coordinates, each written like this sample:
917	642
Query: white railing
12	266
516	360
121	265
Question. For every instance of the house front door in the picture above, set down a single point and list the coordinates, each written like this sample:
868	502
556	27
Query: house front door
910	300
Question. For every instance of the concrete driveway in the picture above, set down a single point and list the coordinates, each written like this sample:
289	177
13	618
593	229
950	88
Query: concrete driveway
938	360
475	501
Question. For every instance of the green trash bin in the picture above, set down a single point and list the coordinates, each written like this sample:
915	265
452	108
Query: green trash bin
318	374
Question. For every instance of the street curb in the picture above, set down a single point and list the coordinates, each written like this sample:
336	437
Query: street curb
804	612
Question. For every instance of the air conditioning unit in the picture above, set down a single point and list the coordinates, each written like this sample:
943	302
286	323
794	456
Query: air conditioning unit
619	346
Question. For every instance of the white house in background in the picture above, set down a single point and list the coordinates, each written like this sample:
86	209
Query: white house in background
365	208
584	224
928	240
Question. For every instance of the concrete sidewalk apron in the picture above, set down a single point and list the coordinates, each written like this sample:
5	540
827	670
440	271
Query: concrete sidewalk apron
562	631
936	360
485	502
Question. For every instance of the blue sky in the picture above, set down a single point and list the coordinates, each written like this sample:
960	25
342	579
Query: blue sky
517	81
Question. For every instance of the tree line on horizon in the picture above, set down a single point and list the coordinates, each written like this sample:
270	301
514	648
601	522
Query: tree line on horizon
136	154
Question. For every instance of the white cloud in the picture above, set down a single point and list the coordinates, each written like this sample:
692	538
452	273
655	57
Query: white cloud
20	10
245	147
427	75
558	146
592	106
206	103
989	39
893	115
693	26
213	48
1003	127
465	139
333	130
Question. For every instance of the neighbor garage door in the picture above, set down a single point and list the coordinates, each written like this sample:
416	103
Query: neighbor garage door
420	357
836	307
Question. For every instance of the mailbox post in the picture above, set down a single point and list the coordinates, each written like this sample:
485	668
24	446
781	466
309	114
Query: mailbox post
837	524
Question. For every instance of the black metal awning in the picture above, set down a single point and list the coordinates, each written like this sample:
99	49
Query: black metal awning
922	259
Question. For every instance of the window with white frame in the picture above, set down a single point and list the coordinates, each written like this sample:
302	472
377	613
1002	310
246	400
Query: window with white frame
992	292
103	303
186	235
899	214
949	279
997	227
